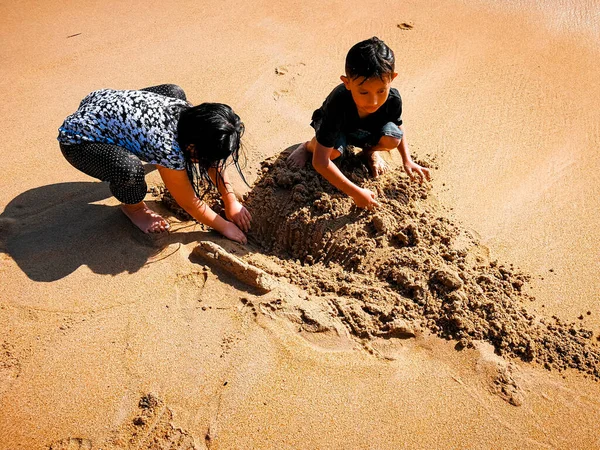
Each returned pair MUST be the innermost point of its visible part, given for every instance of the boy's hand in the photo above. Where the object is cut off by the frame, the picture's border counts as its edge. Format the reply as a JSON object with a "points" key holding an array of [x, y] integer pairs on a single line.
{"points": [[231, 231], [238, 214], [414, 170], [365, 199]]}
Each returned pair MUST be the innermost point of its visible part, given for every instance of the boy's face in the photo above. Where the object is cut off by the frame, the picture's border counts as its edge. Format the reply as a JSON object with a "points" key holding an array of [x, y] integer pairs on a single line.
{"points": [[369, 94]]}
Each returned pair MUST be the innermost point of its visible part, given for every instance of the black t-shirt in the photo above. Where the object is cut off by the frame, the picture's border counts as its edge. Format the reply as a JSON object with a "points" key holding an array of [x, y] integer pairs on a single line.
{"points": [[339, 114]]}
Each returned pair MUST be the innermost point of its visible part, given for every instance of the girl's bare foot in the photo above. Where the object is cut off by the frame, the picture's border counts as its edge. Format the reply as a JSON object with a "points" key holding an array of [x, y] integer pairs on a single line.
{"points": [[375, 162], [144, 218], [297, 159]]}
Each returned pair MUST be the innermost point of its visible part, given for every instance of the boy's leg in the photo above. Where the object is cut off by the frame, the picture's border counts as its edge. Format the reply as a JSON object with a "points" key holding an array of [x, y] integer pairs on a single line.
{"points": [[297, 159], [168, 90], [125, 174], [389, 139], [302, 153]]}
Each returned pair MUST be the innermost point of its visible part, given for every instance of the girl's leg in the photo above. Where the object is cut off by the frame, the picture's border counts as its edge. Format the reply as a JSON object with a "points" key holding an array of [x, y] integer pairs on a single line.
{"points": [[123, 170], [125, 174], [168, 90]]}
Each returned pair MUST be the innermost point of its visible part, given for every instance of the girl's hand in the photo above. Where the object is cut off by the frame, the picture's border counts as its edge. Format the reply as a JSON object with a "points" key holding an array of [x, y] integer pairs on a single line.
{"points": [[414, 170], [238, 214], [365, 199], [231, 231]]}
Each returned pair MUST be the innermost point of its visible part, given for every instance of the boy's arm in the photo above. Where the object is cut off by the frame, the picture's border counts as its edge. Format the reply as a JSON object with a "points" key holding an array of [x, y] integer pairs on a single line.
{"points": [[322, 163], [178, 184], [234, 210], [411, 167]]}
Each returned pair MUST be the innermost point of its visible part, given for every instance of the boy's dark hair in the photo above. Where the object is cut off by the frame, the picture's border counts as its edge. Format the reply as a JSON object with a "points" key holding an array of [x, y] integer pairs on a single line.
{"points": [[370, 58], [208, 135]]}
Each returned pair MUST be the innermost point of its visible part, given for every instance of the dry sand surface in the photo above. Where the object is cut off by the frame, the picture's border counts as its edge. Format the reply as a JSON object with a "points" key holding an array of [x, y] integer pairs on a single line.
{"points": [[462, 314]]}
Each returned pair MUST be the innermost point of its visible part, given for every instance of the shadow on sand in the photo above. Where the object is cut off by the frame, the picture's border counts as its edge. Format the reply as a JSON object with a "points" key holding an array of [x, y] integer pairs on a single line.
{"points": [[50, 231]]}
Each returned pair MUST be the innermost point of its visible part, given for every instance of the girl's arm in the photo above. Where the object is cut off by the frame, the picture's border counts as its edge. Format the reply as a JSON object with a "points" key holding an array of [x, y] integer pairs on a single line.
{"points": [[411, 167], [234, 210], [322, 163], [178, 184]]}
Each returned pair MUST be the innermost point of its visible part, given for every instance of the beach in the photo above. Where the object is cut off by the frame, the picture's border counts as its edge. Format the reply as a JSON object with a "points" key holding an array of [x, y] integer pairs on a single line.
{"points": [[114, 340]]}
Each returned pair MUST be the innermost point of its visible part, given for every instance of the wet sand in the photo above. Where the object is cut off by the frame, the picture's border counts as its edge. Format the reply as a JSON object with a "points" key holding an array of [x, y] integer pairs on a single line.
{"points": [[112, 340]]}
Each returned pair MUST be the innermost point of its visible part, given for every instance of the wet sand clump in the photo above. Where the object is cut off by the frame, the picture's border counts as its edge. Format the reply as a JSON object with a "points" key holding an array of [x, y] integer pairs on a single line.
{"points": [[217, 256], [404, 263]]}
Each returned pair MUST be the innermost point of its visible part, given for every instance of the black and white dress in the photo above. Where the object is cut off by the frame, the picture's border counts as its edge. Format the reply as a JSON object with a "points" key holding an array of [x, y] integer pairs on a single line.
{"points": [[113, 131]]}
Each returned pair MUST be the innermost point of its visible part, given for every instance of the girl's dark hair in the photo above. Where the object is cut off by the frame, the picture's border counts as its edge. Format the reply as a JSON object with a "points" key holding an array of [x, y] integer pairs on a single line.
{"points": [[370, 58], [209, 134]]}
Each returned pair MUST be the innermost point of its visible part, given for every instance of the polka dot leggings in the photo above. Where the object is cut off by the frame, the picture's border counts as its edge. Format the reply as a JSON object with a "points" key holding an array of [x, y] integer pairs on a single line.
{"points": [[121, 169]]}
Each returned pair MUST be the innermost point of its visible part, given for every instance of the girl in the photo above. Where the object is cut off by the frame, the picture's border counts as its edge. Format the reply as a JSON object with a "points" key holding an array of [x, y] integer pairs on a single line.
{"points": [[112, 132]]}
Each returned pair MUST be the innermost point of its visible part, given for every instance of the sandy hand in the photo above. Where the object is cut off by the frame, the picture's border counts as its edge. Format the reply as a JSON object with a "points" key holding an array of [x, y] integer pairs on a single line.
{"points": [[239, 215], [365, 199], [415, 171], [145, 219], [231, 231]]}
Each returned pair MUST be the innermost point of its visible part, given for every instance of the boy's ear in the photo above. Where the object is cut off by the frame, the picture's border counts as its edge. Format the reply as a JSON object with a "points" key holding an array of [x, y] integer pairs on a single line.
{"points": [[394, 75], [346, 81]]}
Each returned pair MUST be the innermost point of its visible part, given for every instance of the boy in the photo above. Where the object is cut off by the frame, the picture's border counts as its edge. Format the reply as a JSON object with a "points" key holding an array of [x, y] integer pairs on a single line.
{"points": [[365, 112]]}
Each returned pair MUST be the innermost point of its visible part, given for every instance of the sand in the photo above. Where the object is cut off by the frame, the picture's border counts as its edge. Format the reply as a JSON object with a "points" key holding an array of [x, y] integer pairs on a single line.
{"points": [[462, 314], [404, 262]]}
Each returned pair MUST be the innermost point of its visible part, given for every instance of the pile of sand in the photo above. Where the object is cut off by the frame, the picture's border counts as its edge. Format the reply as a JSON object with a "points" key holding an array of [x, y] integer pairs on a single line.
{"points": [[402, 267]]}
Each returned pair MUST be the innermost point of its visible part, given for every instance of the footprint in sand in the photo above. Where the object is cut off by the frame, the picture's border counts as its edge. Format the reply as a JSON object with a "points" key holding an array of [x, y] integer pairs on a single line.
{"points": [[228, 343], [286, 76], [280, 93], [10, 366], [499, 374], [151, 427], [72, 444], [405, 26], [195, 280]]}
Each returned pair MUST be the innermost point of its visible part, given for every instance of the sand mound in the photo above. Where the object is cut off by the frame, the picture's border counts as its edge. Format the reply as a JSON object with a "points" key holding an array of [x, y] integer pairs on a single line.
{"points": [[403, 266]]}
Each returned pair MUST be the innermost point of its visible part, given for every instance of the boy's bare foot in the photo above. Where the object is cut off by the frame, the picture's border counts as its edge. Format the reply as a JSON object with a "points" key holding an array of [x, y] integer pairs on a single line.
{"points": [[297, 159], [375, 162], [144, 218]]}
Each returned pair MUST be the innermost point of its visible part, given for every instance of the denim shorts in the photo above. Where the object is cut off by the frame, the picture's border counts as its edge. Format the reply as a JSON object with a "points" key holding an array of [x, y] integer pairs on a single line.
{"points": [[363, 138]]}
